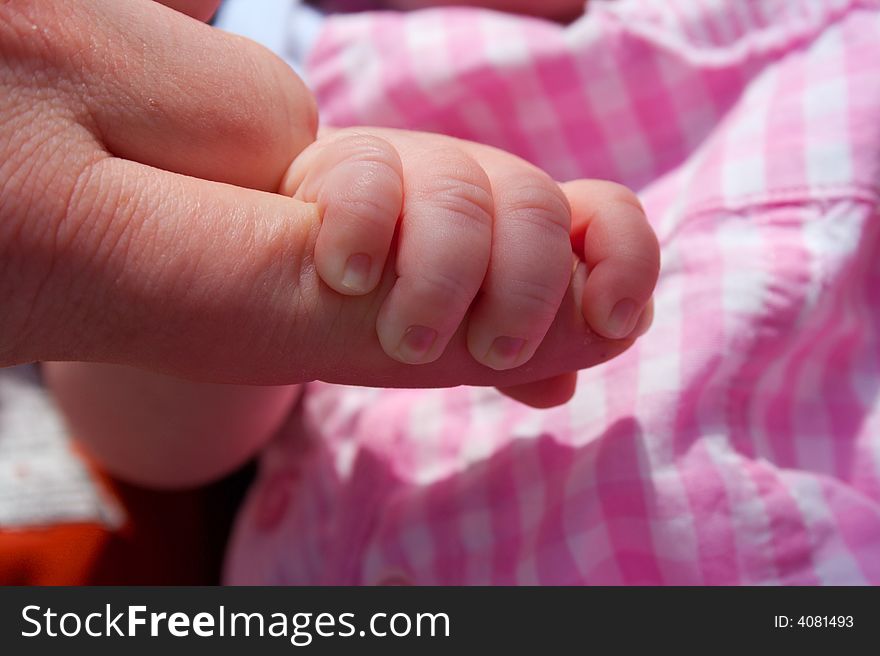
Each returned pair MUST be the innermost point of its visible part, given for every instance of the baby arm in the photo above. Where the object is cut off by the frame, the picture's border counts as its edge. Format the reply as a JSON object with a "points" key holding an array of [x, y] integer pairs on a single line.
{"points": [[443, 244], [160, 431]]}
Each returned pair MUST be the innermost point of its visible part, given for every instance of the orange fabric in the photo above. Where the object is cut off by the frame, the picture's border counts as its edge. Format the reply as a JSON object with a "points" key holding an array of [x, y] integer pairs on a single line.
{"points": [[58, 555], [169, 538]]}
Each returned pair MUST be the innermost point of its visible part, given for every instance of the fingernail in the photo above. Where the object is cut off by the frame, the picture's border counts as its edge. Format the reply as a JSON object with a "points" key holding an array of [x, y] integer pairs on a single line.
{"points": [[415, 344], [620, 321], [356, 276], [504, 352]]}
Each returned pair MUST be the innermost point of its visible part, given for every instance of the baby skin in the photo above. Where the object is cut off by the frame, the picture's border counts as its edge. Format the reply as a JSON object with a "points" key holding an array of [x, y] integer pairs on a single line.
{"points": [[484, 240], [428, 244]]}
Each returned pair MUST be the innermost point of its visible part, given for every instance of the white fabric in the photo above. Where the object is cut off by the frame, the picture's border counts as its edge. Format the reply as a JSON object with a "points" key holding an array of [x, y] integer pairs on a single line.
{"points": [[287, 27]]}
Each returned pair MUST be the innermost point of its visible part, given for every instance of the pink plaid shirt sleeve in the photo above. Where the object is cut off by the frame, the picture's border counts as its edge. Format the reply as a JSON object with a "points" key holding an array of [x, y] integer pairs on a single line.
{"points": [[739, 441]]}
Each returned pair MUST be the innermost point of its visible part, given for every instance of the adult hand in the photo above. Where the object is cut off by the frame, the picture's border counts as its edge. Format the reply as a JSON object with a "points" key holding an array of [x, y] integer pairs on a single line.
{"points": [[117, 122], [134, 142]]}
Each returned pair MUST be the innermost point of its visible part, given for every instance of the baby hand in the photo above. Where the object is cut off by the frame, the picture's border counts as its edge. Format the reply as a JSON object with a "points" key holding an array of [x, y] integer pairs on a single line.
{"points": [[482, 237]]}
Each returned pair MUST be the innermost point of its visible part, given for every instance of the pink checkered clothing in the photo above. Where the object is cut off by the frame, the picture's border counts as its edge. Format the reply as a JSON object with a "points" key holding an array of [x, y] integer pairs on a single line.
{"points": [[739, 441]]}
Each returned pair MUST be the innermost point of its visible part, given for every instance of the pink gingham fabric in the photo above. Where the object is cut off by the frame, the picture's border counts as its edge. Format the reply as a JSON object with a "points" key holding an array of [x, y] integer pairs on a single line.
{"points": [[739, 441]]}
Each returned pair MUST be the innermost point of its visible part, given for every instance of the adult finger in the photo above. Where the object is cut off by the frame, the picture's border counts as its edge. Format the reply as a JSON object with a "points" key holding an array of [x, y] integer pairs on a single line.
{"points": [[156, 87]]}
